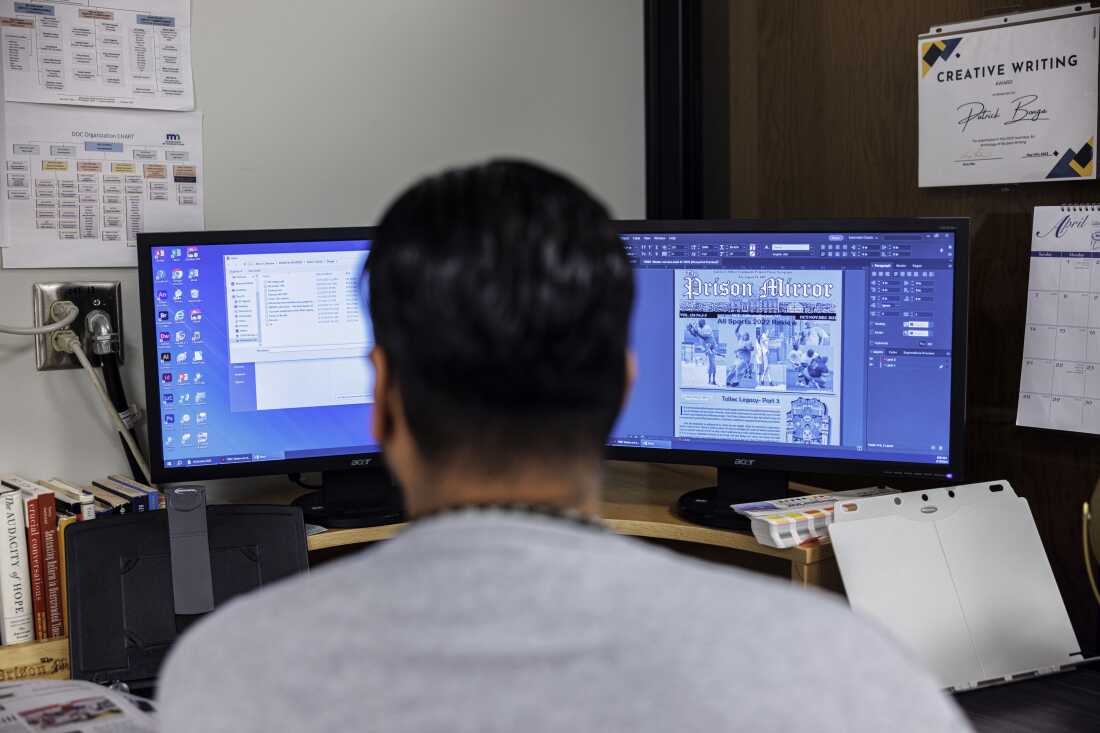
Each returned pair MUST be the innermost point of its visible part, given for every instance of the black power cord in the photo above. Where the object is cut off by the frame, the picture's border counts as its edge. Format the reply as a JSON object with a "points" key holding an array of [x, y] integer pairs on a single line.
{"points": [[112, 380]]}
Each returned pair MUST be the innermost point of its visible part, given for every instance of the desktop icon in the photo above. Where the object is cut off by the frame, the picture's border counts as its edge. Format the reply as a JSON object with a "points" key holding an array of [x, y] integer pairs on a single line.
{"points": [[177, 295], [169, 441], [176, 253], [177, 274], [158, 255], [185, 419], [200, 398], [181, 358], [181, 336], [182, 378], [162, 315], [164, 337], [166, 356], [192, 253], [185, 439], [185, 398], [169, 398], [161, 276], [203, 438], [197, 357], [196, 336], [166, 377], [199, 379], [196, 315], [169, 419], [162, 296], [193, 273], [194, 293], [200, 418]]}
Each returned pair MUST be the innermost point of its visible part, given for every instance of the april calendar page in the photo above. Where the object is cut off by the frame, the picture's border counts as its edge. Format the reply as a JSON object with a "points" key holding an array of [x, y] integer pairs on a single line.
{"points": [[1060, 376]]}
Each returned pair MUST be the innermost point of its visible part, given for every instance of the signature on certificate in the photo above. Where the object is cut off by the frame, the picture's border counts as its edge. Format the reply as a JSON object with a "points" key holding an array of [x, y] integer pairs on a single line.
{"points": [[973, 111], [976, 155], [1027, 109], [1024, 109]]}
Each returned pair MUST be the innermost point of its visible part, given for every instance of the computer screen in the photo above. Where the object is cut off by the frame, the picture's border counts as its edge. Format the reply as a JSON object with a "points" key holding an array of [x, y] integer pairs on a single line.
{"points": [[827, 345], [777, 349], [260, 350]]}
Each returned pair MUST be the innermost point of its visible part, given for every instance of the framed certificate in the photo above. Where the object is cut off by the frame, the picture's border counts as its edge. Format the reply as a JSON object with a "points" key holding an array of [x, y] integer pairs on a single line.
{"points": [[1012, 103]]}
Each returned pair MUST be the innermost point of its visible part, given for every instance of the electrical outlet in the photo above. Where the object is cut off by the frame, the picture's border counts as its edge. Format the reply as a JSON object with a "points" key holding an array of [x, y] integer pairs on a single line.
{"points": [[88, 296]]}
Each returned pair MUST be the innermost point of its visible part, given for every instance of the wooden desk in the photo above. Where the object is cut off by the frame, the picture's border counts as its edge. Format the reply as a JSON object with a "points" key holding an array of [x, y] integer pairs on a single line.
{"points": [[637, 501]]}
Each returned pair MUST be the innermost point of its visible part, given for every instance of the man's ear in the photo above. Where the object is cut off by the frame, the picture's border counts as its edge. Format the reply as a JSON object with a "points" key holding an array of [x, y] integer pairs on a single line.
{"points": [[381, 423], [631, 376]]}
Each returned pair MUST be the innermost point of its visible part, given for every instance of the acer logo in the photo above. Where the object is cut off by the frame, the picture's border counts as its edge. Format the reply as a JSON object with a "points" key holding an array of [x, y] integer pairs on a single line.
{"points": [[744, 461], [361, 462]]}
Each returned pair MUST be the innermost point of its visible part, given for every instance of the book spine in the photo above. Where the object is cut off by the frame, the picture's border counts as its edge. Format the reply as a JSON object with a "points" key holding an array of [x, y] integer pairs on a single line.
{"points": [[70, 499], [65, 504], [15, 595], [47, 506], [137, 500], [101, 509], [107, 502], [63, 565], [37, 565], [156, 498]]}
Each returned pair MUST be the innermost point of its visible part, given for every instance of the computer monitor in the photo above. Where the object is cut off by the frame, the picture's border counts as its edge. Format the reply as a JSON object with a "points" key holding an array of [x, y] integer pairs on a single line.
{"points": [[763, 348], [255, 346], [766, 347]]}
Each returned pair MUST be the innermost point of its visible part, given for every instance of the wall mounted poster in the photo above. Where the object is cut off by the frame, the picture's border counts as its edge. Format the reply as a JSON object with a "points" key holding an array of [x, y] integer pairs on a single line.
{"points": [[1013, 103]]}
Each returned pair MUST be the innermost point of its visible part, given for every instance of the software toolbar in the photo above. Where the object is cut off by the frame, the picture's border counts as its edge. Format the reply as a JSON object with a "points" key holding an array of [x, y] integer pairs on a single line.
{"points": [[719, 249]]}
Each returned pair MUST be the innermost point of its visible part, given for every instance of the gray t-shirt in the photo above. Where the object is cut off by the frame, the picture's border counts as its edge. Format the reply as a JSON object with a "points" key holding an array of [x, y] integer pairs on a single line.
{"points": [[492, 621]]}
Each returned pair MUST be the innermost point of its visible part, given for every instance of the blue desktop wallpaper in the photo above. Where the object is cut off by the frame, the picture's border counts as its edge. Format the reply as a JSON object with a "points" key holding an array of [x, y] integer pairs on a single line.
{"points": [[243, 436]]}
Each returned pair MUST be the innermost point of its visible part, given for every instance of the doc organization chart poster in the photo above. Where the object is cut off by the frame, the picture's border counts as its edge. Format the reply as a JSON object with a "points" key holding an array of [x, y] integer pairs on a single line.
{"points": [[1009, 104]]}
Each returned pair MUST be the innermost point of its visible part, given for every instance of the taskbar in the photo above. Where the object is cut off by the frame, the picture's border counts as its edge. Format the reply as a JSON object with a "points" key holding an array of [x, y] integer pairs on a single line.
{"points": [[290, 455], [793, 450], [216, 460]]}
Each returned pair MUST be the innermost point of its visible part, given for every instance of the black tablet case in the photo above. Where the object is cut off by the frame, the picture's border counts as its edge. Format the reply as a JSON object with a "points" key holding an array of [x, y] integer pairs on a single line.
{"points": [[119, 580]]}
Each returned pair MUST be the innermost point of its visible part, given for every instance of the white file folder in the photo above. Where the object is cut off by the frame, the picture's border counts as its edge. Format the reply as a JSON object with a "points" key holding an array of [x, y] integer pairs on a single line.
{"points": [[959, 576]]}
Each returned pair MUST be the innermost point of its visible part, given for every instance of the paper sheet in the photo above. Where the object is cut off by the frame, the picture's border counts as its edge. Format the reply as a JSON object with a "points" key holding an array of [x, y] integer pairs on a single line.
{"points": [[73, 706], [1060, 375], [79, 183], [101, 53]]}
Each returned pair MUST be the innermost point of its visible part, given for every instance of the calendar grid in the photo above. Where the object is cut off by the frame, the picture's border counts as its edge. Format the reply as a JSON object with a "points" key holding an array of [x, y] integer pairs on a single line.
{"points": [[1060, 372]]}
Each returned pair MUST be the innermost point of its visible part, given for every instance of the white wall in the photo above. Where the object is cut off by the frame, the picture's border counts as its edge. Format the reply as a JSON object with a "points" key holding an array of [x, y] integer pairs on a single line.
{"points": [[318, 113]]}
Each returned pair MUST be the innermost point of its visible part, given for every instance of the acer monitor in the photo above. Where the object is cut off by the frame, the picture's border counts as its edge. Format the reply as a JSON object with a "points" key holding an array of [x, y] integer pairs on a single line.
{"points": [[255, 346], [767, 347], [763, 348]]}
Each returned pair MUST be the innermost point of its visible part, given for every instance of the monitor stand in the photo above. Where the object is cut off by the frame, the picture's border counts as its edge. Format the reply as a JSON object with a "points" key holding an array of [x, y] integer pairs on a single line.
{"points": [[364, 497], [713, 506]]}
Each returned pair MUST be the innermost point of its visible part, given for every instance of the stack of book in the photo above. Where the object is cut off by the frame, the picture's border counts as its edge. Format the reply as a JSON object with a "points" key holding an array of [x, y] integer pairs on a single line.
{"points": [[35, 515], [798, 520]]}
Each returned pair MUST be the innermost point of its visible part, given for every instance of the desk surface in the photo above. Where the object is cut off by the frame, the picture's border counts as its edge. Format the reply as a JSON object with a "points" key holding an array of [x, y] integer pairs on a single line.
{"points": [[1061, 703], [637, 500]]}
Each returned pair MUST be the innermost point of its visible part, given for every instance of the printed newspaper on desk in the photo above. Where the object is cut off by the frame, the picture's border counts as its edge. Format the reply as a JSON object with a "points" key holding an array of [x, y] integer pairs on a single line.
{"points": [[72, 707]]}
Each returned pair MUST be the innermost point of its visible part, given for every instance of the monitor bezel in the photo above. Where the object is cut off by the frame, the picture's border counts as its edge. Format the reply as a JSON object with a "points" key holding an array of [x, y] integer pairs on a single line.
{"points": [[953, 470], [146, 242]]}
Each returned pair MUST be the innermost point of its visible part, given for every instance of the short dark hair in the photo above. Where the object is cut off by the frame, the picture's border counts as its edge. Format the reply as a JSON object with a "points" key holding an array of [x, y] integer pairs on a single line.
{"points": [[501, 295]]}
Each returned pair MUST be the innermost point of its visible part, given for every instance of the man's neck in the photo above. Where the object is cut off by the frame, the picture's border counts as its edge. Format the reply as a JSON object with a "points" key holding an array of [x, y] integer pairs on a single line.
{"points": [[574, 487]]}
